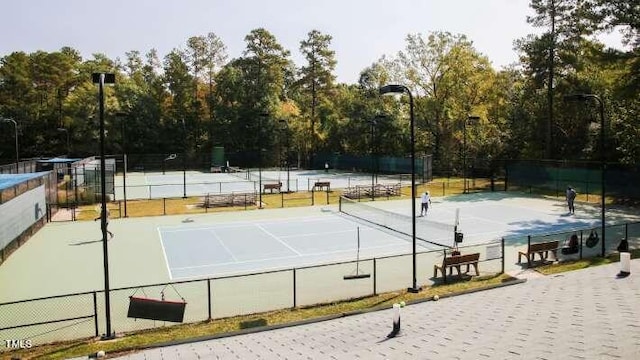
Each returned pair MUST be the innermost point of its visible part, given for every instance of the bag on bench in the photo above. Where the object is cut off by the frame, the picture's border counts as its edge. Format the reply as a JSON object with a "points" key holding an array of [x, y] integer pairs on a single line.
{"points": [[571, 246]]}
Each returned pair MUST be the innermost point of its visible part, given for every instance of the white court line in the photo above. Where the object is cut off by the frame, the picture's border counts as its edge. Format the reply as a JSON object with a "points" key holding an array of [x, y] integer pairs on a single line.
{"points": [[278, 239], [320, 233], [213, 231], [164, 253], [287, 257], [236, 224]]}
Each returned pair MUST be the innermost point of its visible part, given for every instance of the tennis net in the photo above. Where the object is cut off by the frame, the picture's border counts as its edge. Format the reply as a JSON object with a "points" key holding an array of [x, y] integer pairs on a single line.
{"points": [[239, 173], [255, 176], [429, 231]]}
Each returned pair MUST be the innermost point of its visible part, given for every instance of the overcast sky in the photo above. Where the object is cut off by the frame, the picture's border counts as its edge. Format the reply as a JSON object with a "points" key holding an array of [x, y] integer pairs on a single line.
{"points": [[362, 30]]}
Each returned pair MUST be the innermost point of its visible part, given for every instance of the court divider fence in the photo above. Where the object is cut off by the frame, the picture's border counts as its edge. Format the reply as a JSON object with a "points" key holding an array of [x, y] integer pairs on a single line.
{"points": [[71, 211], [82, 315]]}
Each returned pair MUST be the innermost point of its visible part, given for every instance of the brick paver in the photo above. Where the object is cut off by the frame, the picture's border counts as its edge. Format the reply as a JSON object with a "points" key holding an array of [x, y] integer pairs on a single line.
{"points": [[585, 314]]}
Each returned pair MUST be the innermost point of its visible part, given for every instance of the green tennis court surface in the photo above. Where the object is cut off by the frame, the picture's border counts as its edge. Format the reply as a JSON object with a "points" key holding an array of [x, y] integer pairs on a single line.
{"points": [[65, 258]]}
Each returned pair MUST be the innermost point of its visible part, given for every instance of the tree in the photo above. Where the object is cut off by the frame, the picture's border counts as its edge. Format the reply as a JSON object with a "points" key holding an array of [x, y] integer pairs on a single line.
{"points": [[316, 79], [180, 115], [450, 79], [206, 54], [247, 88]]}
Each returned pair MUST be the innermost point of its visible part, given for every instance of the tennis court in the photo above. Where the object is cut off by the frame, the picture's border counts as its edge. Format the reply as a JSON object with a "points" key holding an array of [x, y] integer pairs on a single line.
{"points": [[220, 249], [487, 216], [161, 248], [191, 183]]}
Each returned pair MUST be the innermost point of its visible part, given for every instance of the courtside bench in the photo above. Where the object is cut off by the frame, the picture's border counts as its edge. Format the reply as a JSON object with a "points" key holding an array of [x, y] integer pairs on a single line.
{"points": [[542, 249], [271, 187], [322, 184], [456, 261]]}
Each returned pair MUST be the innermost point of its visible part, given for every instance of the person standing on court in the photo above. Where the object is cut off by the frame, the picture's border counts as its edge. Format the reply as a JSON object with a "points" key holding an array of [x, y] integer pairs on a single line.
{"points": [[425, 201], [106, 222], [571, 197]]}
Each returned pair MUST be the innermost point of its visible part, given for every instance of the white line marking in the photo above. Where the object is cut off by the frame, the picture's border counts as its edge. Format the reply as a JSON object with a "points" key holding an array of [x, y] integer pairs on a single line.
{"points": [[319, 233], [223, 245], [287, 257], [230, 225], [164, 253], [278, 239]]}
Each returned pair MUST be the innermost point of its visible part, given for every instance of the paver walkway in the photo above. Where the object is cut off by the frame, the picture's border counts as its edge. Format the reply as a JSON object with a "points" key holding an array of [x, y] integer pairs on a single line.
{"points": [[585, 314]]}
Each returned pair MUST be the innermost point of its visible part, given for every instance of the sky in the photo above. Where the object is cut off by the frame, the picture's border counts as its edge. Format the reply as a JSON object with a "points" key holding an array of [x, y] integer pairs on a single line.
{"points": [[362, 30]]}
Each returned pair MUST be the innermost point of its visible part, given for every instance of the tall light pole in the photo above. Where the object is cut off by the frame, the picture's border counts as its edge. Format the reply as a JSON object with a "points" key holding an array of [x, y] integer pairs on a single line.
{"points": [[464, 146], [101, 79], [123, 129], [603, 163], [262, 116], [285, 127], [374, 159], [184, 161], [399, 89], [15, 127], [64, 130]]}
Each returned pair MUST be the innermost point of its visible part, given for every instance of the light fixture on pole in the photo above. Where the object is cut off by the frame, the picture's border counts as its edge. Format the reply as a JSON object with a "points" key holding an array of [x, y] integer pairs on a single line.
{"points": [[64, 130], [123, 128], [15, 127], [603, 164], [464, 156], [101, 79], [399, 89]]}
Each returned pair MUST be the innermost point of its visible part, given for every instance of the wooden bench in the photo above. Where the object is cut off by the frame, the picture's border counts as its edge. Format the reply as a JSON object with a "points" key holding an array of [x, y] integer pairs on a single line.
{"points": [[271, 187], [322, 184], [456, 261], [541, 249]]}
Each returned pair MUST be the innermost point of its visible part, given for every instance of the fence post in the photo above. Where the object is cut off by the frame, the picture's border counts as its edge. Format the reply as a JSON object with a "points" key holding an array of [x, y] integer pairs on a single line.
{"points": [[327, 196], [502, 246], [506, 178], [209, 297], [580, 244], [95, 314], [313, 197], [443, 190], [281, 199], [374, 278], [164, 206], [626, 231], [295, 301], [119, 209], [587, 190]]}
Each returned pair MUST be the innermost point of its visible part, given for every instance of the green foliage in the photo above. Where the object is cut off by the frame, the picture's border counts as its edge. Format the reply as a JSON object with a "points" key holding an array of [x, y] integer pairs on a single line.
{"points": [[194, 98]]}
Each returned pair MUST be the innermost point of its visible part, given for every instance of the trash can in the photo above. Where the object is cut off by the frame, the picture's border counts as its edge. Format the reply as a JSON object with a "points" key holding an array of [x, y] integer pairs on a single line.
{"points": [[625, 258]]}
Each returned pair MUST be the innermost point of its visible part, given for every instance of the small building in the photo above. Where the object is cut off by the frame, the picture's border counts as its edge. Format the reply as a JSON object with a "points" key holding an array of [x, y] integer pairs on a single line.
{"points": [[23, 207]]}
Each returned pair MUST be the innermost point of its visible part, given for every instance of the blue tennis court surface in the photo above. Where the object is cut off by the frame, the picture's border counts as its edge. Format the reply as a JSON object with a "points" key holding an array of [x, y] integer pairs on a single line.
{"points": [[204, 250], [218, 249]]}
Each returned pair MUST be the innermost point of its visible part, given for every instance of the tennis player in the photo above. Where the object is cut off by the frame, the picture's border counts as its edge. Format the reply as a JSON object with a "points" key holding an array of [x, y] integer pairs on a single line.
{"points": [[425, 200], [106, 222]]}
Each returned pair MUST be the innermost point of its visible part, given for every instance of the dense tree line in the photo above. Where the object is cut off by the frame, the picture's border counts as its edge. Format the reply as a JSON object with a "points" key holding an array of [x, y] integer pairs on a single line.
{"points": [[195, 98]]}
